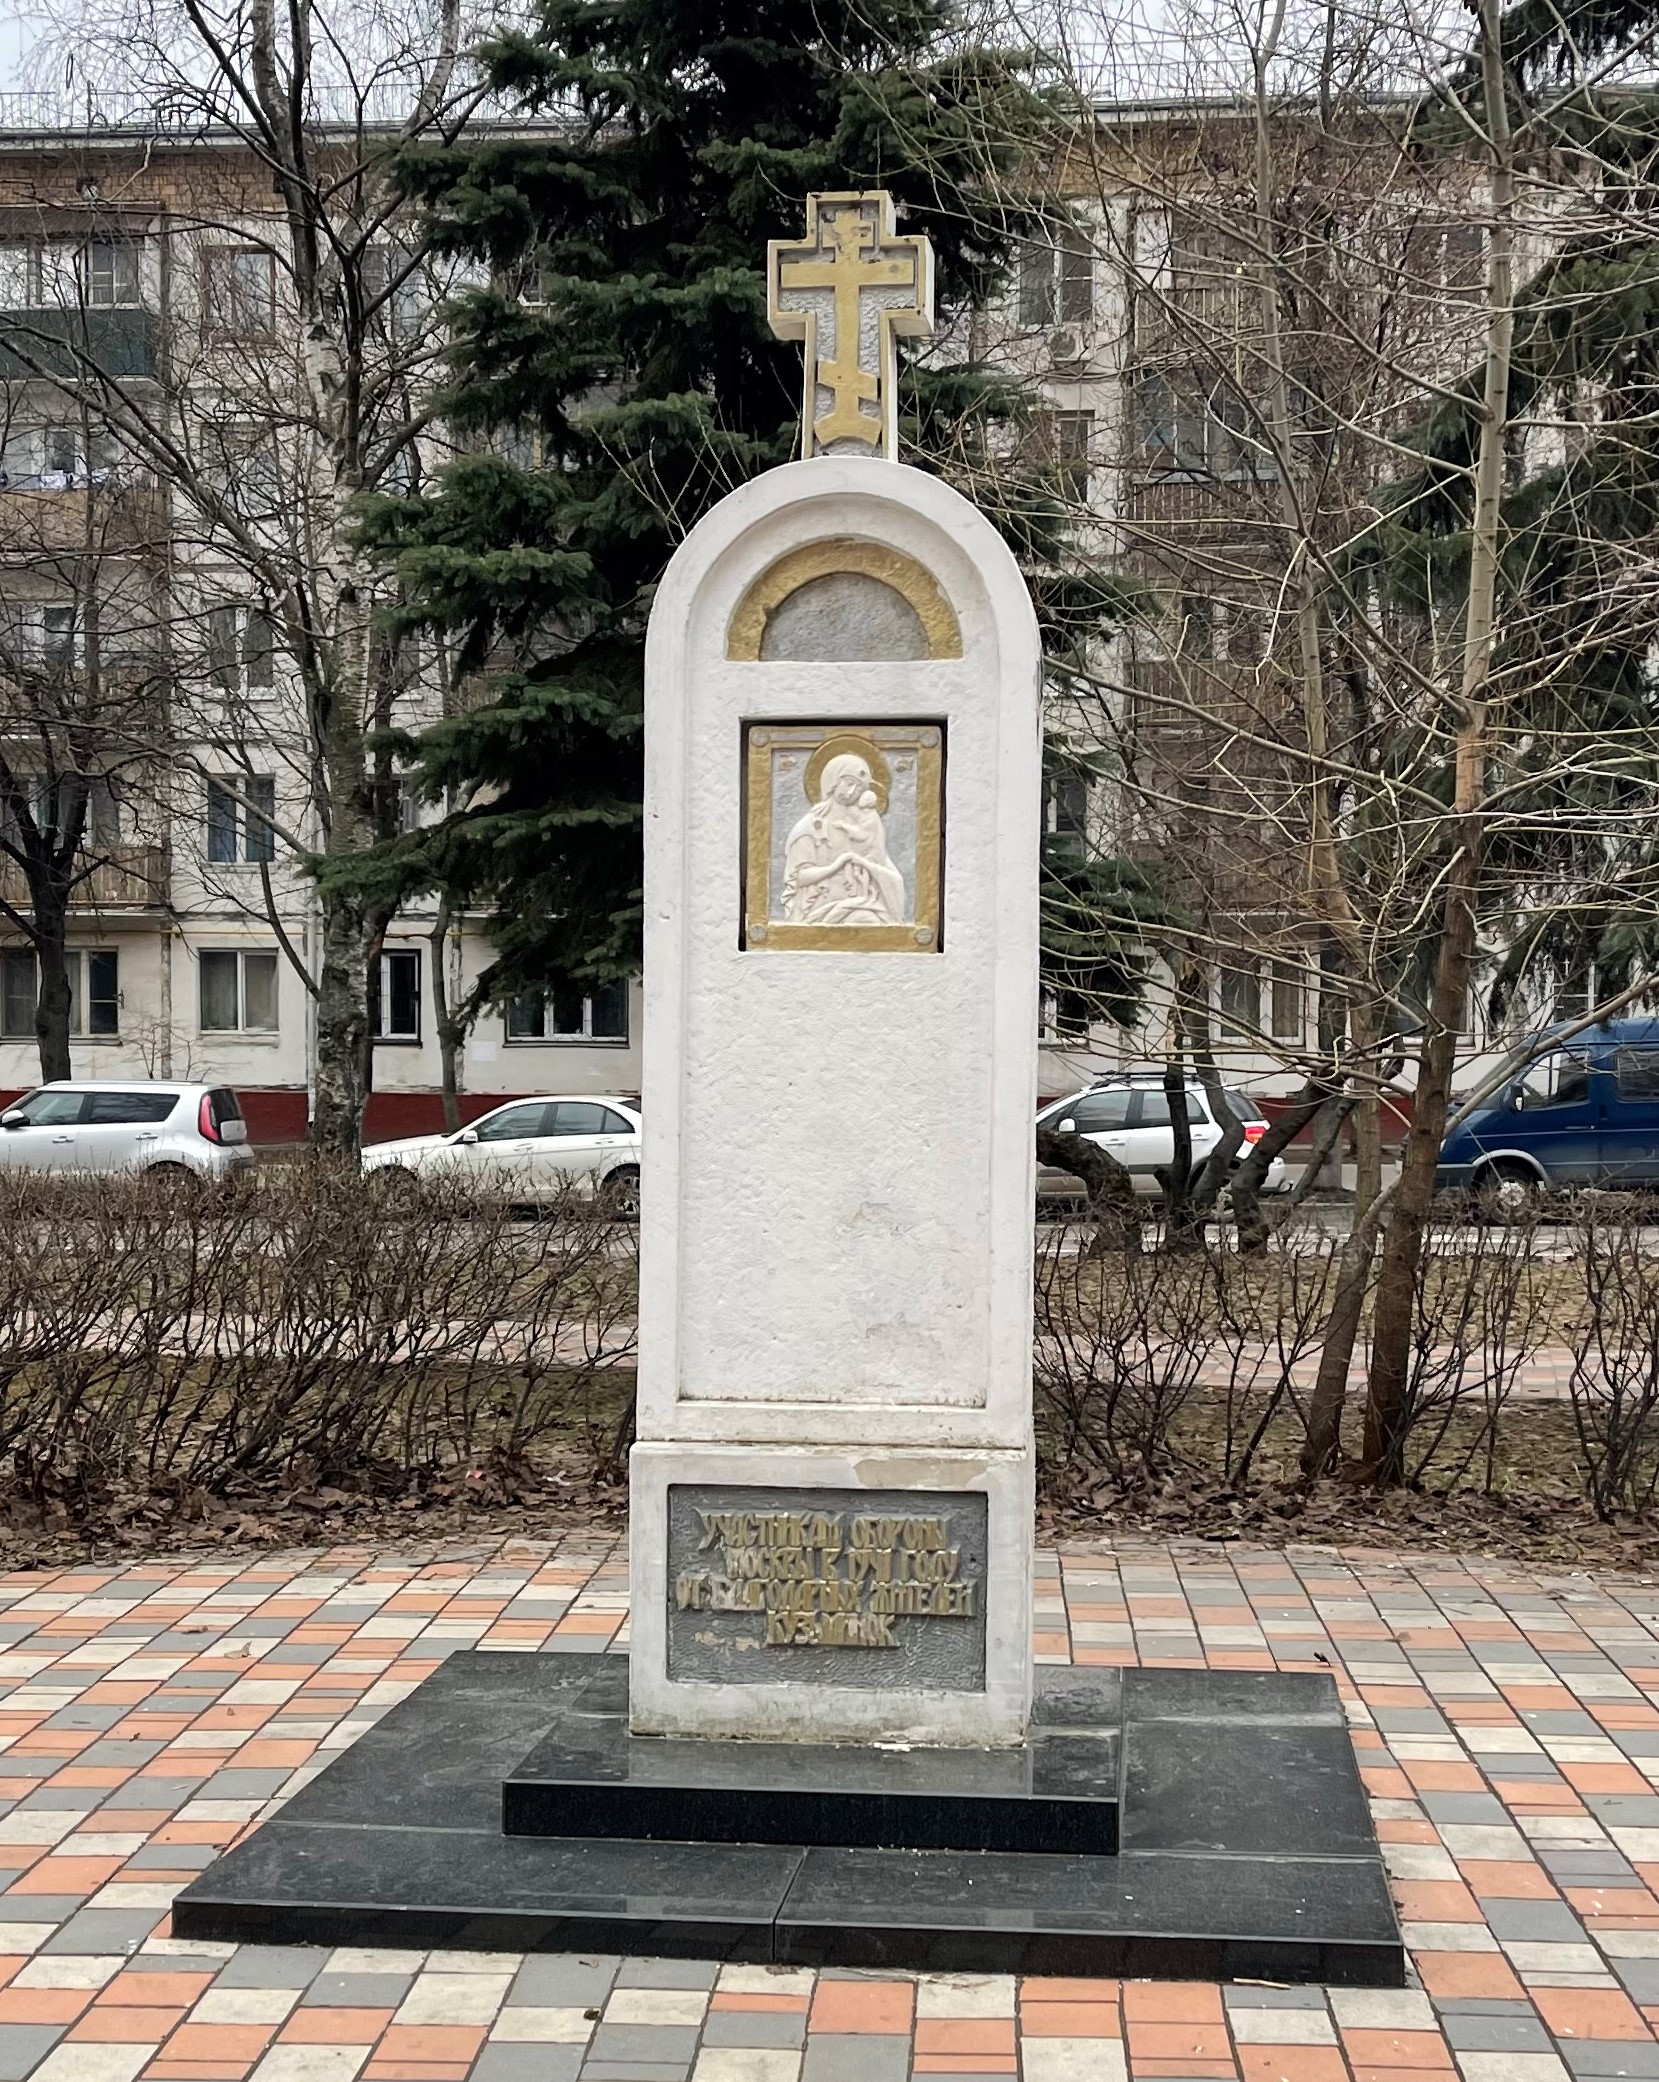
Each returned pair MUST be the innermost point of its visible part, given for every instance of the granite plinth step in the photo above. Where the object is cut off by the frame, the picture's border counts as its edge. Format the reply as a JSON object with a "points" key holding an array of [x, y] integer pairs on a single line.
{"points": [[590, 1778], [1246, 1844]]}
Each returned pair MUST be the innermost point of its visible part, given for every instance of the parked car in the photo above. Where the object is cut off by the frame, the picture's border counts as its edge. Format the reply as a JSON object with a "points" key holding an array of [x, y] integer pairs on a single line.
{"points": [[531, 1150], [1585, 1113], [1129, 1118], [77, 1125]]}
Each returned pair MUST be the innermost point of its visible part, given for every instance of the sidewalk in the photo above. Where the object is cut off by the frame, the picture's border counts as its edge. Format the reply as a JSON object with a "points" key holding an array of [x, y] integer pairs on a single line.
{"points": [[1506, 1722]]}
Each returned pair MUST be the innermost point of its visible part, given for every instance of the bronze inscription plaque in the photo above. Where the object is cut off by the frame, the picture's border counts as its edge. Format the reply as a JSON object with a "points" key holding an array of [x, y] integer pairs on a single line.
{"points": [[877, 1588]]}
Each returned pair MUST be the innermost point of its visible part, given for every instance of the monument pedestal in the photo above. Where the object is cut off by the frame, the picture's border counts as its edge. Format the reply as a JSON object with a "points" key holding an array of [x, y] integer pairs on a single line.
{"points": [[767, 1578], [1245, 1843], [829, 1748]]}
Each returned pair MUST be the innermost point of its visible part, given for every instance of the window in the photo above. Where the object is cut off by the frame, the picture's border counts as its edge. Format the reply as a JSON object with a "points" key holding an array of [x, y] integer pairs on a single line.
{"points": [[584, 1117], [18, 276], [1241, 1002], [239, 291], [96, 1007], [1067, 1012], [94, 993], [239, 810], [400, 996], [1073, 438], [50, 1109], [240, 464], [1287, 1003], [17, 995], [238, 993], [567, 1014], [124, 1109], [1068, 816], [1037, 284], [513, 1123], [1152, 1110], [48, 807], [408, 802], [1562, 1079], [102, 823], [1208, 432], [112, 272], [1150, 241], [1096, 1113], [58, 635], [1636, 1073], [1057, 280], [241, 649], [391, 290]]}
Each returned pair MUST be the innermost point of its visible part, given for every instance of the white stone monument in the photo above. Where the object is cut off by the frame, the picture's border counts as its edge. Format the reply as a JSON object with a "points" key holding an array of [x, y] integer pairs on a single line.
{"points": [[832, 1489]]}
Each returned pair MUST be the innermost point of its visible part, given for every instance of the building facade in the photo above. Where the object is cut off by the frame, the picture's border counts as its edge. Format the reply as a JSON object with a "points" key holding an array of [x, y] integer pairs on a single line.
{"points": [[146, 696]]}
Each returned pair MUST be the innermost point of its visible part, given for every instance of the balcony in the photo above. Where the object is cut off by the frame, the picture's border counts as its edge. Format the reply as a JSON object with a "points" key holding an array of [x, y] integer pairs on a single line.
{"points": [[131, 878], [109, 519], [122, 343]]}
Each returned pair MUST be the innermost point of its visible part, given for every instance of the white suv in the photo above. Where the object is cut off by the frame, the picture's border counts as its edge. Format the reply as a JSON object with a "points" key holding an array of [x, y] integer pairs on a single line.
{"points": [[1129, 1118], [530, 1150], [76, 1125]]}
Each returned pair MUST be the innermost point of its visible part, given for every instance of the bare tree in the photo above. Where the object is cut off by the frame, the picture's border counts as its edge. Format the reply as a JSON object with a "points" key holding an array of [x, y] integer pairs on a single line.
{"points": [[302, 351], [83, 699], [1361, 718]]}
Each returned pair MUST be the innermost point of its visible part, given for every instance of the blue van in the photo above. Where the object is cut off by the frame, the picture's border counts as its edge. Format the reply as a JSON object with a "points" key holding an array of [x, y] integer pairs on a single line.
{"points": [[1583, 1114]]}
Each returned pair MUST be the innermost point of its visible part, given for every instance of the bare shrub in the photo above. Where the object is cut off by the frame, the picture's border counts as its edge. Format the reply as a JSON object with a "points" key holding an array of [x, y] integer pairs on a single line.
{"points": [[297, 1332], [1615, 1378], [1481, 1311], [1155, 1364]]}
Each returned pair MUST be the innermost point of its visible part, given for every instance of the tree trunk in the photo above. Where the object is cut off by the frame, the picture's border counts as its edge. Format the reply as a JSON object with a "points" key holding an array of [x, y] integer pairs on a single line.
{"points": [[1387, 1413], [1258, 1160], [1328, 1124], [1111, 1191], [1336, 1352], [1181, 1232], [452, 1033], [1214, 1172], [343, 1041], [1330, 1389], [52, 965], [351, 932]]}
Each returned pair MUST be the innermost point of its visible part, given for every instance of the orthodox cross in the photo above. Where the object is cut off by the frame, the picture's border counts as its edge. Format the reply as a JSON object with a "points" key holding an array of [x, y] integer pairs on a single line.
{"points": [[849, 289]]}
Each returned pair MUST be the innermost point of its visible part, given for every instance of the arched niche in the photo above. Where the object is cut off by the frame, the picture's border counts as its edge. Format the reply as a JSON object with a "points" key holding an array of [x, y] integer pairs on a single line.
{"points": [[845, 600]]}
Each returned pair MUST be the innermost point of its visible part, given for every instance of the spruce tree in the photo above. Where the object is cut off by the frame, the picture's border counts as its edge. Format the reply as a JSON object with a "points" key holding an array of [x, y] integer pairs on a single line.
{"points": [[617, 376]]}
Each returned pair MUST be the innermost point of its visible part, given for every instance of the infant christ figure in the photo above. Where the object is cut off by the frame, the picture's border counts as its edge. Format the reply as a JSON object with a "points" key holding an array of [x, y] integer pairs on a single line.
{"points": [[836, 866]]}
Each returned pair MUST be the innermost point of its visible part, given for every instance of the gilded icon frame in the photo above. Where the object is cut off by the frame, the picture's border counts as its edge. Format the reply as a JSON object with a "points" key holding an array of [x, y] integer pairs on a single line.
{"points": [[765, 748]]}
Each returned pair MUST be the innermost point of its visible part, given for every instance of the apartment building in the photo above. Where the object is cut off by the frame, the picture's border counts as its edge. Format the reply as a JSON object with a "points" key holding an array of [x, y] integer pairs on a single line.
{"points": [[1144, 324], [170, 720], [144, 689]]}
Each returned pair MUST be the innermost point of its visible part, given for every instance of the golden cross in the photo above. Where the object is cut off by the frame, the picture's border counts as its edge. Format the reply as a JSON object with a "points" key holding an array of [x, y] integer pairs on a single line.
{"points": [[851, 262]]}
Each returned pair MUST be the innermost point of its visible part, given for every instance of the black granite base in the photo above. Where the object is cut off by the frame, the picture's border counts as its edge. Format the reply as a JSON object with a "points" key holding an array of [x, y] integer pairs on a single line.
{"points": [[1246, 1844], [589, 1777]]}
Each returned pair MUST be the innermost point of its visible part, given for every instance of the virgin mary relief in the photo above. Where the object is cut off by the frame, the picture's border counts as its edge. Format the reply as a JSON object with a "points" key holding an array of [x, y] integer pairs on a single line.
{"points": [[836, 865]]}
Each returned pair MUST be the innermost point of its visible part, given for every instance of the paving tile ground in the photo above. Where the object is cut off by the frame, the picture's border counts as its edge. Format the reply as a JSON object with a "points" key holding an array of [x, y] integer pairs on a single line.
{"points": [[1507, 1724]]}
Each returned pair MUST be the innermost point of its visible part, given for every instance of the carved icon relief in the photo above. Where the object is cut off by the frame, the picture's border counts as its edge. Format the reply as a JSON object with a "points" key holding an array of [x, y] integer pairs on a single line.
{"points": [[843, 836], [835, 865]]}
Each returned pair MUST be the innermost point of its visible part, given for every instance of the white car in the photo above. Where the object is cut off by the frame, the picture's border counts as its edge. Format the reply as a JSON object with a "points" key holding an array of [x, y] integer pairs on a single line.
{"points": [[77, 1125], [1129, 1119], [530, 1150]]}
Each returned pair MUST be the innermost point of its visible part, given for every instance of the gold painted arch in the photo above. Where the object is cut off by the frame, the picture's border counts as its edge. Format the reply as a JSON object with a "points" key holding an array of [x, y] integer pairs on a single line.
{"points": [[912, 581]]}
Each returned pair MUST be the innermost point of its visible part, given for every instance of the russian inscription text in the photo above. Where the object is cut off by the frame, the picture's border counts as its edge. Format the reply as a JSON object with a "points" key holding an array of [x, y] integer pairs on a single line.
{"points": [[803, 1574], [825, 1580]]}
